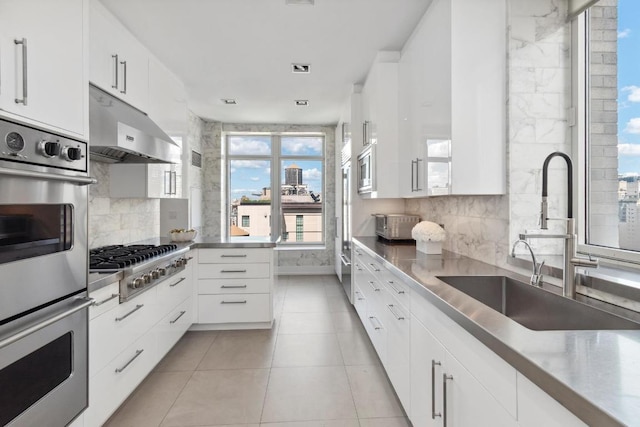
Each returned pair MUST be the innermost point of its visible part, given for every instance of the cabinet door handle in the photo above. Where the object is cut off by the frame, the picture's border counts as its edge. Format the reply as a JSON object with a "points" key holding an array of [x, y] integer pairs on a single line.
{"points": [[138, 307], [115, 71], [178, 282], [138, 353], [413, 186], [104, 301], [233, 286], [167, 182], [23, 42], [396, 315], [373, 285], [375, 267], [418, 160], [377, 328], [124, 80], [433, 389], [445, 377], [396, 290], [233, 271], [233, 256], [179, 316], [234, 302]]}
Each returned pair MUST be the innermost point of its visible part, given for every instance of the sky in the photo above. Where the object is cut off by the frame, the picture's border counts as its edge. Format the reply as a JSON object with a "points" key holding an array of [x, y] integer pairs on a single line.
{"points": [[249, 176], [629, 87]]}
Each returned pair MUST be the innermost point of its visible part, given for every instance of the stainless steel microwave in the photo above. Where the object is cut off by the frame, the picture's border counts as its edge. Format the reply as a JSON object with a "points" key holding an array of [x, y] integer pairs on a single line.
{"points": [[366, 165]]}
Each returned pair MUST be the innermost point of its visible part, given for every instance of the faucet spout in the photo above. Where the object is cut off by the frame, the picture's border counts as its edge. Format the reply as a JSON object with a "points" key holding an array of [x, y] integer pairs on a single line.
{"points": [[544, 216], [536, 275]]}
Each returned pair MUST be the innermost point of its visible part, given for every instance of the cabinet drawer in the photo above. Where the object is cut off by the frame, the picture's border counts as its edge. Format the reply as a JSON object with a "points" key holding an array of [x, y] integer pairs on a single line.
{"points": [[233, 271], [104, 299], [111, 386], [234, 286], [234, 256], [174, 290], [360, 303], [234, 308], [173, 326], [114, 330]]}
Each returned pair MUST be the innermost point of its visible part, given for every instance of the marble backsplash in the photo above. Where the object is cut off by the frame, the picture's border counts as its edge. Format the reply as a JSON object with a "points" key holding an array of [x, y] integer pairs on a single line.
{"points": [[118, 221]]}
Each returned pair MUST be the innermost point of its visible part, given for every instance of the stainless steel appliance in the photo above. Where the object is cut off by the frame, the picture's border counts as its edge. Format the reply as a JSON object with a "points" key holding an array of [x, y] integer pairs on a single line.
{"points": [[366, 163], [395, 226], [122, 134], [43, 265], [143, 266], [345, 254]]}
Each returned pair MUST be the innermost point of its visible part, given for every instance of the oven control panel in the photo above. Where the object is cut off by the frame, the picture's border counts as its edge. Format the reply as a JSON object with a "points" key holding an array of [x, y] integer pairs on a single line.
{"points": [[151, 277], [23, 144]]}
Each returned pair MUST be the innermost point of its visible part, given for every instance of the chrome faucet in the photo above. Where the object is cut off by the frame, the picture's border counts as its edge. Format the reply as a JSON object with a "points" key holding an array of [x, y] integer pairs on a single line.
{"points": [[571, 258], [536, 275]]}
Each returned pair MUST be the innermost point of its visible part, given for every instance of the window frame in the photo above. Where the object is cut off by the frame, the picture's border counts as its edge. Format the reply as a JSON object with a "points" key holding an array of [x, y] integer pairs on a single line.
{"points": [[276, 158], [580, 94]]}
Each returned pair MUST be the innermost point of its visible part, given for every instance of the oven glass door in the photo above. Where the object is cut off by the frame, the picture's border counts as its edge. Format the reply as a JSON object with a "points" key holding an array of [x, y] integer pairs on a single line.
{"points": [[43, 375], [33, 230]]}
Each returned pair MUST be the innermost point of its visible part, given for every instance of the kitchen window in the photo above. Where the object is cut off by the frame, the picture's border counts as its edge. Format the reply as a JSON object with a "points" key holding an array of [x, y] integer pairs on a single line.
{"points": [[607, 90], [276, 176]]}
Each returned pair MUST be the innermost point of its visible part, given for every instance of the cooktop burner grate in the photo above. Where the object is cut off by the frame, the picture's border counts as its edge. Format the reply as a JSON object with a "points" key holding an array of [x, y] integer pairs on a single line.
{"points": [[119, 256]]}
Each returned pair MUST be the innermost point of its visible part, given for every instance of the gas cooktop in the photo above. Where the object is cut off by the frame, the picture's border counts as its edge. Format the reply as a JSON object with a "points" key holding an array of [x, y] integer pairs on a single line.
{"points": [[117, 257]]}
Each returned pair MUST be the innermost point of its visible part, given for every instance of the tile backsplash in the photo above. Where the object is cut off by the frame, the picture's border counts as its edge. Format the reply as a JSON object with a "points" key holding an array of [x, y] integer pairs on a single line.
{"points": [[118, 221]]}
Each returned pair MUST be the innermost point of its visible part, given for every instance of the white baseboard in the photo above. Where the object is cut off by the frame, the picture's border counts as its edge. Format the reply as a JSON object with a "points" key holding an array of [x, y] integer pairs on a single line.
{"points": [[305, 270]]}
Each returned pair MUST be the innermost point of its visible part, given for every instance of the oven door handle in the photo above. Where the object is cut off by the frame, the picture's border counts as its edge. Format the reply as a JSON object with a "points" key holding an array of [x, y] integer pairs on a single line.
{"points": [[80, 180], [85, 302]]}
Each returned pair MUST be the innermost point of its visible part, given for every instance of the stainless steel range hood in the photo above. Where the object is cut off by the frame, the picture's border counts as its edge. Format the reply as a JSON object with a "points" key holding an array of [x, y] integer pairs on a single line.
{"points": [[119, 133]]}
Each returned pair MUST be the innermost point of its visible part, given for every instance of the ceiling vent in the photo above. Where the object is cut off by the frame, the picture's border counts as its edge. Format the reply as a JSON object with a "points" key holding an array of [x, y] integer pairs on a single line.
{"points": [[305, 2], [302, 102], [229, 101], [300, 68]]}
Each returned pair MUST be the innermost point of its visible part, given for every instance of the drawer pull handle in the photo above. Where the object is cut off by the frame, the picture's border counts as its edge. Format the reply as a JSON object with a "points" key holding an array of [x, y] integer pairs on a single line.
{"points": [[433, 389], [233, 286], [234, 302], [138, 353], [396, 290], [445, 377], [376, 327], [373, 285], [233, 271], [375, 267], [138, 307], [359, 298], [178, 282], [398, 317], [104, 301], [233, 256], [179, 316]]}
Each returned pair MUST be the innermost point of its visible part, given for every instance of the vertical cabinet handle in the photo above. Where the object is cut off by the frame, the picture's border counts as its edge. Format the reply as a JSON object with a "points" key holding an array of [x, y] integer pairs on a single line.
{"points": [[418, 160], [115, 71], [23, 42], [365, 132], [124, 80], [445, 377], [413, 185], [167, 182], [434, 414]]}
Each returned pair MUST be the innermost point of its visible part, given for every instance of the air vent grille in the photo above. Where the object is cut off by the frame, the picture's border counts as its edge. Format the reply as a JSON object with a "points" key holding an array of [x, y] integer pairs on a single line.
{"points": [[300, 68], [196, 159], [302, 102]]}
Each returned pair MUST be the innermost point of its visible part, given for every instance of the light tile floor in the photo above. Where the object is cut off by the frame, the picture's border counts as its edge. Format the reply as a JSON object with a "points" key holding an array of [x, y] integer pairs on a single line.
{"points": [[315, 368]]}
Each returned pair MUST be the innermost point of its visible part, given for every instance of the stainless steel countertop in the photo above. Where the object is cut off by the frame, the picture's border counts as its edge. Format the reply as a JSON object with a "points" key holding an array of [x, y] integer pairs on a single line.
{"points": [[594, 374], [100, 280], [211, 242]]}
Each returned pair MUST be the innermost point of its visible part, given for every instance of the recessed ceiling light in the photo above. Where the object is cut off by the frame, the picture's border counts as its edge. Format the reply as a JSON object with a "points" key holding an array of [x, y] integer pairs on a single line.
{"points": [[300, 68], [307, 2], [229, 101], [302, 102]]}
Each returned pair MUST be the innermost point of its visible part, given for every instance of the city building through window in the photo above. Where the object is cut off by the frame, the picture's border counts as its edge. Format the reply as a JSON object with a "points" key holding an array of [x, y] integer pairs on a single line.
{"points": [[277, 177]]}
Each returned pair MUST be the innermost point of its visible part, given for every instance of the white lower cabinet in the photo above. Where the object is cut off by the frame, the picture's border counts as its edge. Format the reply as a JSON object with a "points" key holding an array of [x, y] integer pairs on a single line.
{"points": [[127, 340], [234, 288], [442, 374]]}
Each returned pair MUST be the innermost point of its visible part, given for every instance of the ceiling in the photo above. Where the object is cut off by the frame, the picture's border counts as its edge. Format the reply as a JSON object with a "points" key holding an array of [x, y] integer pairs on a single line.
{"points": [[243, 49]]}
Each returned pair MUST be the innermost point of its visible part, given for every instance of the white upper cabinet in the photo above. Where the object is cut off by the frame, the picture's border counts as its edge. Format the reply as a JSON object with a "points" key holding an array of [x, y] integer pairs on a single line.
{"points": [[453, 101], [167, 100], [380, 124], [119, 63], [43, 56]]}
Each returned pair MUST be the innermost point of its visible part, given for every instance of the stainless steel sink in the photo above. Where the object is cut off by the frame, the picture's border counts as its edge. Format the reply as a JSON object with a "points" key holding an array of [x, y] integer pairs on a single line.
{"points": [[535, 308]]}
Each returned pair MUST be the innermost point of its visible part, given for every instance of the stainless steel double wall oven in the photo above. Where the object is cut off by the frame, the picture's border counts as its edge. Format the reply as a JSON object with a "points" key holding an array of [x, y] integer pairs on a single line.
{"points": [[43, 277]]}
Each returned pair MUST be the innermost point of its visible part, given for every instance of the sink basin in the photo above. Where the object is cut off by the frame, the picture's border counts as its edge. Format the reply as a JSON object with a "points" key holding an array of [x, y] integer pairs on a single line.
{"points": [[536, 308]]}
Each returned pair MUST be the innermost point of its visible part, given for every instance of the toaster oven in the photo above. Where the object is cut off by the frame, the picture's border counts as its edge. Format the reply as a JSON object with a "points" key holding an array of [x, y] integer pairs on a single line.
{"points": [[395, 226]]}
